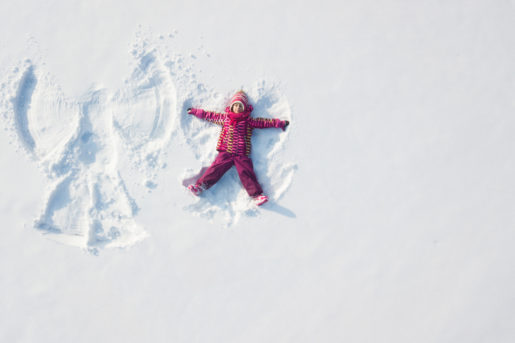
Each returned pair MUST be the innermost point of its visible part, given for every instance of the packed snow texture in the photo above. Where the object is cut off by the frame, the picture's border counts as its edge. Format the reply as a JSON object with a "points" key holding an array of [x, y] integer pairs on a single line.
{"points": [[78, 143]]}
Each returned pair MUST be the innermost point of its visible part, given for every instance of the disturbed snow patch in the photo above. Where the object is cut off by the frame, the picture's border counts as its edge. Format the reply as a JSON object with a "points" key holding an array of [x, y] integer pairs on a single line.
{"points": [[227, 200], [83, 145], [78, 144]]}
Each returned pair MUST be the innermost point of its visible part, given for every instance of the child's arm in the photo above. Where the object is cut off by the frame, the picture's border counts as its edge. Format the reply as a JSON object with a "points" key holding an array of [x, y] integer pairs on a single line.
{"points": [[265, 123], [213, 117]]}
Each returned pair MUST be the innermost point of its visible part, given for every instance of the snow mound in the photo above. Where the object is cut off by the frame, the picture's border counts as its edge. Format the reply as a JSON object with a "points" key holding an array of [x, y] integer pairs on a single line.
{"points": [[227, 200], [78, 144]]}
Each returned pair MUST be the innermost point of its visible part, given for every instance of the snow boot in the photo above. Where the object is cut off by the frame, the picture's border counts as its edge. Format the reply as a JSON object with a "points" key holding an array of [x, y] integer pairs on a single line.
{"points": [[195, 189], [260, 199]]}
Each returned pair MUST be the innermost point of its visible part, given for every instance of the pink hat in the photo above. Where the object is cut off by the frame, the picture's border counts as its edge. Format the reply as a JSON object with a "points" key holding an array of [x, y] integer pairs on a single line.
{"points": [[242, 98]]}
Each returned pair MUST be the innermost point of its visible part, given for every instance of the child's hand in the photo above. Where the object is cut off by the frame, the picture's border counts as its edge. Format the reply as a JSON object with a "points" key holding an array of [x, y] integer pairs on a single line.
{"points": [[286, 123], [196, 111]]}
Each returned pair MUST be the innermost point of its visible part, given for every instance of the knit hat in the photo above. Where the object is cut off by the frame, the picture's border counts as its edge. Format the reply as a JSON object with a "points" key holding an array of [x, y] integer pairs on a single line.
{"points": [[242, 98]]}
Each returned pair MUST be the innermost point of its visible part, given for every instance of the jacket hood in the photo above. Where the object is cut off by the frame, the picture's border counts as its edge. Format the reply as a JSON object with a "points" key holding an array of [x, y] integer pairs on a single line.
{"points": [[243, 99]]}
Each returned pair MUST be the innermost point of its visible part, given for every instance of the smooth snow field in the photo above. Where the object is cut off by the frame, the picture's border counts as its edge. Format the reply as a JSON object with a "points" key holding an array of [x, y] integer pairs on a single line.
{"points": [[392, 191]]}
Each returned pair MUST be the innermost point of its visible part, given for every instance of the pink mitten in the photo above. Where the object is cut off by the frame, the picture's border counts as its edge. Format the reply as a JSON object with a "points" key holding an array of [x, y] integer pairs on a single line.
{"points": [[195, 111]]}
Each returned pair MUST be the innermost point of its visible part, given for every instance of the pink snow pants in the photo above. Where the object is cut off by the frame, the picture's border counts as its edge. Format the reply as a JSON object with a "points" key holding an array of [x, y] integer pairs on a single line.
{"points": [[223, 162]]}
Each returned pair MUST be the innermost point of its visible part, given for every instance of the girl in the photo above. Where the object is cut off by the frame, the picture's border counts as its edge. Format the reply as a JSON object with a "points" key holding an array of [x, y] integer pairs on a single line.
{"points": [[234, 145]]}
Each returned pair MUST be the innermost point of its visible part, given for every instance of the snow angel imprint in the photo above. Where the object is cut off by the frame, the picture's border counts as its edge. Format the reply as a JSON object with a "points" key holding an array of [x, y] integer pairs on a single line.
{"points": [[234, 145]]}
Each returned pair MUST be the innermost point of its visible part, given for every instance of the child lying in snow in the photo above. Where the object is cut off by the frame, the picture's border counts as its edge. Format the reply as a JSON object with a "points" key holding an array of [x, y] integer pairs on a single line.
{"points": [[234, 145]]}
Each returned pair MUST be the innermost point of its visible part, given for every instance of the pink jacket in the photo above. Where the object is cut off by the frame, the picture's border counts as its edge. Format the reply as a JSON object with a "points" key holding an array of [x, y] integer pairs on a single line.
{"points": [[236, 129]]}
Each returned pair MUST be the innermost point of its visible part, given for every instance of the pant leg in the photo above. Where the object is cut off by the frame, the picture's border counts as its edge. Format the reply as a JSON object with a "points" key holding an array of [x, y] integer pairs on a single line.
{"points": [[247, 175], [218, 168]]}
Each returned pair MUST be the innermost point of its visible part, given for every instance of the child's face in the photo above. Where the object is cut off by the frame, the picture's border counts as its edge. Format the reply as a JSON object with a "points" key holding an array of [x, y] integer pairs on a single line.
{"points": [[237, 107]]}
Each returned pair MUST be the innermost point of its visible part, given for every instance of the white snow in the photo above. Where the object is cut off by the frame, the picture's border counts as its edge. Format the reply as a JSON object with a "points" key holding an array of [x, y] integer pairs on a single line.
{"points": [[392, 190]]}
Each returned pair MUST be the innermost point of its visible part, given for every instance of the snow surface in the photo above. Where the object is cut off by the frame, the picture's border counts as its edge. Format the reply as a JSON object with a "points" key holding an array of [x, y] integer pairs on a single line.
{"points": [[392, 191]]}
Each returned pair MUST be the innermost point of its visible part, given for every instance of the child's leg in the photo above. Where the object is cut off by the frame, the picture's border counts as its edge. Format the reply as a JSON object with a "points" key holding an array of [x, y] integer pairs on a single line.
{"points": [[247, 175], [218, 168]]}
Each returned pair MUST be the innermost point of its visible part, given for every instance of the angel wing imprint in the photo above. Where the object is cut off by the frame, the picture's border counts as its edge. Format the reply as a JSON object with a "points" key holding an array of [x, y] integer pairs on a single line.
{"points": [[78, 144]]}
